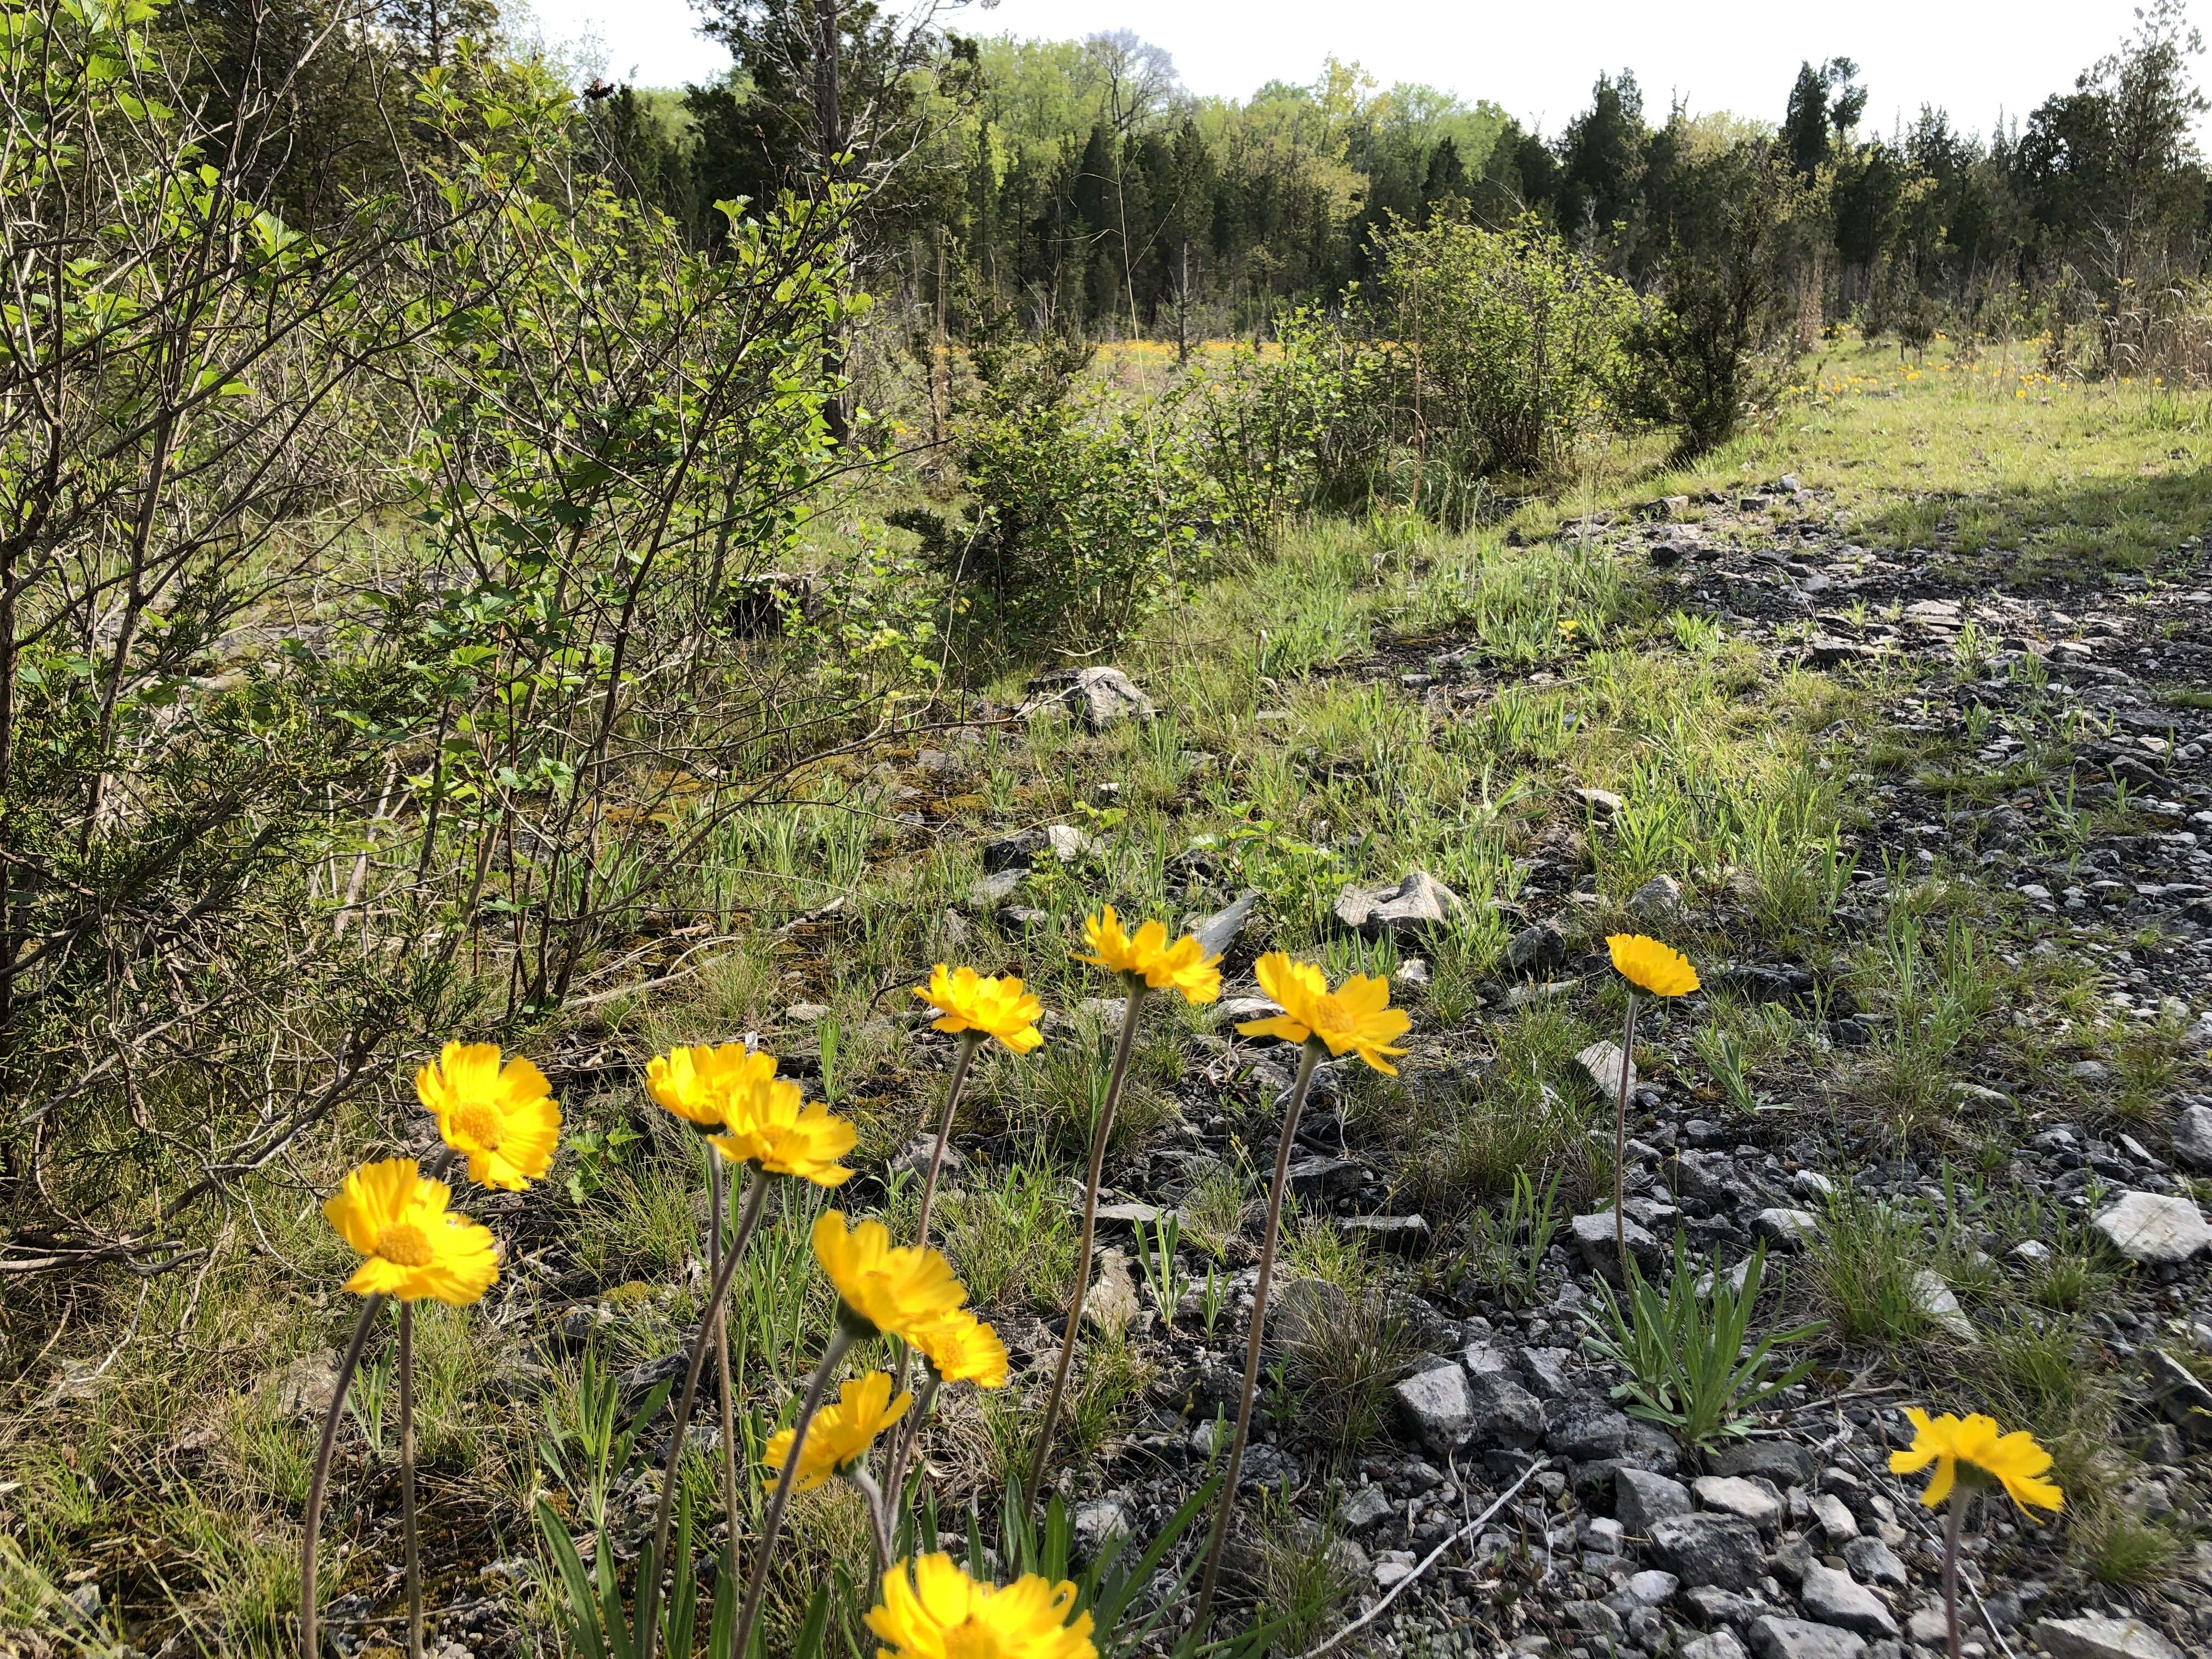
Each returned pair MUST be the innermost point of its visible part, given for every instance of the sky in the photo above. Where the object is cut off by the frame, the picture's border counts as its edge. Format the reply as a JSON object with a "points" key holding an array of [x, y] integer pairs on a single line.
{"points": [[1974, 57]]}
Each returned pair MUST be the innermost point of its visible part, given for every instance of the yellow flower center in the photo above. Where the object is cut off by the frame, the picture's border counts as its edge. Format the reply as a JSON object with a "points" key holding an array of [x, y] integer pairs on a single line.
{"points": [[970, 1640], [1330, 1014], [480, 1123], [406, 1245]]}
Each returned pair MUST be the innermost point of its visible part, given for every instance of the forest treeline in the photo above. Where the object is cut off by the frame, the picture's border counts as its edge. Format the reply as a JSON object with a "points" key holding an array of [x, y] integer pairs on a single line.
{"points": [[1078, 187]]}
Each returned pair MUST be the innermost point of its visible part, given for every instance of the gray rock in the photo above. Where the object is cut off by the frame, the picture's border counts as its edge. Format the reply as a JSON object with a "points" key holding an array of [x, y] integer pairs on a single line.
{"points": [[1408, 1234], [1545, 1372], [1720, 1550], [1129, 1215], [996, 888], [1098, 1523], [1502, 1412], [1600, 1063], [1641, 1499], [2095, 1635], [1837, 1598], [1716, 1606], [1436, 1409], [1416, 906], [1786, 1229], [1929, 1627], [1100, 696], [1836, 1520], [1111, 1303], [1784, 1462], [1218, 931], [913, 1159], [1659, 905], [1735, 1494], [1589, 1431], [1936, 1303], [1366, 1507], [2150, 1227], [1317, 1176], [1597, 1620], [1874, 1562], [2192, 1137], [1069, 844], [1775, 1637], [1710, 1176], [1720, 1645], [1011, 853], [1602, 803], [305, 1387], [1540, 948], [1593, 1239], [1651, 1588]]}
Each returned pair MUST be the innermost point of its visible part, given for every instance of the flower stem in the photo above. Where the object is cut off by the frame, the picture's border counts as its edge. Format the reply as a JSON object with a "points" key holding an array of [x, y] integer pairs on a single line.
{"points": [[1620, 1139], [715, 1217], [1228, 1499], [648, 1589], [318, 1482], [1954, 1520], [407, 1480], [1099, 1137], [906, 1442], [969, 1041], [840, 1340]]}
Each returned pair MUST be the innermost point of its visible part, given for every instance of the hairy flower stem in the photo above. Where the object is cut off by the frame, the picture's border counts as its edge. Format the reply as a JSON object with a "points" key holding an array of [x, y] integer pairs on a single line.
{"points": [[648, 1588], [1228, 1500], [895, 1469], [1099, 1137], [1954, 1521], [318, 1481], [840, 1340], [715, 1218], [969, 1041], [407, 1480], [1620, 1139]]}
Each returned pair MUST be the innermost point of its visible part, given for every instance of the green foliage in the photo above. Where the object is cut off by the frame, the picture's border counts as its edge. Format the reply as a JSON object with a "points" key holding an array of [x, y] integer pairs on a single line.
{"points": [[1690, 1365]]}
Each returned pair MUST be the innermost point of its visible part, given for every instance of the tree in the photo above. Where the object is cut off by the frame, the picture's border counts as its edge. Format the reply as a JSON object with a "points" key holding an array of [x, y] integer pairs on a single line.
{"points": [[1825, 104], [1601, 159]]}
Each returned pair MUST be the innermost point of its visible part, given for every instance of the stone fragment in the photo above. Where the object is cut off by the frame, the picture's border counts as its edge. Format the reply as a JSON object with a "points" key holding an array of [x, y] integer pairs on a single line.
{"points": [[1367, 1507], [2192, 1137], [2151, 1227], [1408, 1234], [1837, 1522], [1641, 1499], [1502, 1413], [1593, 1239], [1600, 1063], [1068, 843], [1786, 1229], [914, 1159], [1775, 1637], [1659, 905], [1874, 1562], [1589, 1431], [1651, 1588], [1716, 1606], [1719, 1550], [1100, 696], [1435, 1408], [1545, 1372], [1929, 1627], [1936, 1303], [1784, 1462], [1415, 906], [1732, 1494], [1111, 1304], [2098, 1635], [1317, 1176], [1837, 1598], [1096, 1524], [1540, 948], [1720, 1645], [1218, 931], [305, 1388]]}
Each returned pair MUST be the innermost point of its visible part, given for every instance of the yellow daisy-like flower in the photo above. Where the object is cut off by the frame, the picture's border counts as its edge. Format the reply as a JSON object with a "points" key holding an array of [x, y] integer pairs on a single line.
{"points": [[1357, 1016], [898, 1292], [503, 1118], [1650, 966], [1146, 955], [933, 1610], [696, 1083], [771, 1125], [396, 1216], [2013, 1460], [996, 1007], [841, 1434], [961, 1348]]}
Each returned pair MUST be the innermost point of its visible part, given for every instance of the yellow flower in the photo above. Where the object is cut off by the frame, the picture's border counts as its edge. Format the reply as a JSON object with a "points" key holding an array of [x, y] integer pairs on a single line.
{"points": [[1356, 1015], [1651, 966], [1149, 956], [940, 1612], [695, 1084], [840, 1435], [770, 1125], [961, 1348], [898, 1292], [2013, 1460], [971, 1002], [503, 1118], [396, 1216]]}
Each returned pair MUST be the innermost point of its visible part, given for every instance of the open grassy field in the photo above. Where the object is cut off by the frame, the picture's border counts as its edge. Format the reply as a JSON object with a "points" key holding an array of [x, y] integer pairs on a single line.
{"points": [[1894, 716]]}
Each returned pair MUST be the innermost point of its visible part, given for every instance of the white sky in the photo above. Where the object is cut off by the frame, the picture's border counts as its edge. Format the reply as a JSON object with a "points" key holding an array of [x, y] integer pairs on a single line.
{"points": [[1973, 57]]}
